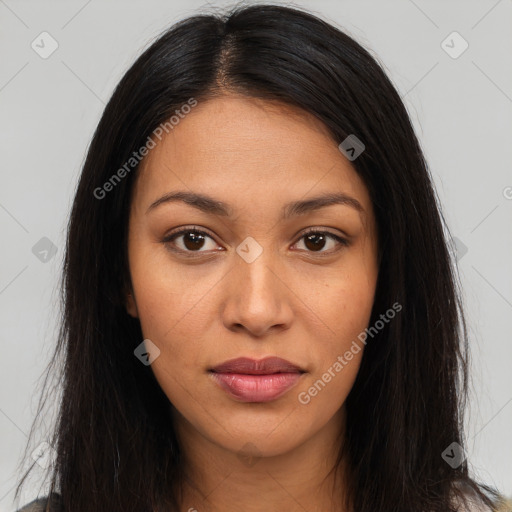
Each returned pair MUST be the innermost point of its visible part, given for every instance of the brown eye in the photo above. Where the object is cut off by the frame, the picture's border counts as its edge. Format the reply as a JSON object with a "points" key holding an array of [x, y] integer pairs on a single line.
{"points": [[192, 240], [316, 241]]}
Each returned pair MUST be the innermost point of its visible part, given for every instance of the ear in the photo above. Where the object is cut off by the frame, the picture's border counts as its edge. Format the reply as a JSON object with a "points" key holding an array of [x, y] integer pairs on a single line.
{"points": [[131, 306]]}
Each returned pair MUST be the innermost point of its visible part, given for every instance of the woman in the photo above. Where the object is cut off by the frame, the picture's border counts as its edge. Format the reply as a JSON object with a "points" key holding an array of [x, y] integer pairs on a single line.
{"points": [[260, 307]]}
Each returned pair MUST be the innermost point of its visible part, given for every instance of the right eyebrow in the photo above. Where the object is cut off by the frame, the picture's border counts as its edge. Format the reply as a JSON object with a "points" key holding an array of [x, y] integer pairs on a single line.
{"points": [[202, 202]]}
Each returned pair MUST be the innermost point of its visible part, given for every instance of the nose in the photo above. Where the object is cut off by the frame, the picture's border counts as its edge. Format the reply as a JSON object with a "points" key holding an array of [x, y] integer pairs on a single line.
{"points": [[257, 298]]}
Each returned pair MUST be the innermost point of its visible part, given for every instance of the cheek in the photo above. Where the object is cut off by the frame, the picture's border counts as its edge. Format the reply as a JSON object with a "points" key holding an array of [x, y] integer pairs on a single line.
{"points": [[325, 392], [343, 300], [169, 295], [337, 356], [172, 305], [175, 321], [344, 304]]}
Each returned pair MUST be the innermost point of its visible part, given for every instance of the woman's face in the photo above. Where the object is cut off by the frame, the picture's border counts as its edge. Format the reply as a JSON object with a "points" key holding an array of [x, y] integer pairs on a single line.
{"points": [[256, 284]]}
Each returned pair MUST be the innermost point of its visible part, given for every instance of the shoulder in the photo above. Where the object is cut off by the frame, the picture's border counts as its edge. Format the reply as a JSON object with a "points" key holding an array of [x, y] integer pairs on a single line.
{"points": [[470, 504], [506, 506], [40, 504]]}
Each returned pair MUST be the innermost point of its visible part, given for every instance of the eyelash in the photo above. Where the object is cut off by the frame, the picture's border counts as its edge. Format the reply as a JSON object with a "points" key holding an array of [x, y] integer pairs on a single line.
{"points": [[172, 236]]}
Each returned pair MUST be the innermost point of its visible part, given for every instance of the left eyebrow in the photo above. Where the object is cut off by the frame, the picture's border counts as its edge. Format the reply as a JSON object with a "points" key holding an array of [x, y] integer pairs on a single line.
{"points": [[315, 203], [210, 205]]}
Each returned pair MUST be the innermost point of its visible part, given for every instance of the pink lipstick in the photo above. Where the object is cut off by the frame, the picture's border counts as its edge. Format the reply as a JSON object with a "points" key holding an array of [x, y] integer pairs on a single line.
{"points": [[249, 380]]}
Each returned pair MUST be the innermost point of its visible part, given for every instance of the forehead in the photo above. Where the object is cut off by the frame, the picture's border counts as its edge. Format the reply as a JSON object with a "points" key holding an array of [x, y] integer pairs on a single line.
{"points": [[235, 143], [238, 127]]}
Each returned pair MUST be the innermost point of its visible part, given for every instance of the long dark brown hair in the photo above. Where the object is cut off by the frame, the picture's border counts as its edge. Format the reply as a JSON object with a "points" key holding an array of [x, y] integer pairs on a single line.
{"points": [[116, 449]]}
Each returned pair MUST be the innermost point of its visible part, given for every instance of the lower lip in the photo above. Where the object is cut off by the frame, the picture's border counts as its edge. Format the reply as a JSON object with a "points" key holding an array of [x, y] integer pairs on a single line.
{"points": [[256, 388]]}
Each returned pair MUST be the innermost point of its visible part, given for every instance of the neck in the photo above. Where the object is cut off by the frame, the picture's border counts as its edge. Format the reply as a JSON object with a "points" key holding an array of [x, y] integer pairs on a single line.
{"points": [[218, 480]]}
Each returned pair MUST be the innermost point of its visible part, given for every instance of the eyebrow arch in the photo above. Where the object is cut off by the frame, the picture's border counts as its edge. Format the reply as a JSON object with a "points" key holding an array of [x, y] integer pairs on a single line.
{"points": [[210, 205]]}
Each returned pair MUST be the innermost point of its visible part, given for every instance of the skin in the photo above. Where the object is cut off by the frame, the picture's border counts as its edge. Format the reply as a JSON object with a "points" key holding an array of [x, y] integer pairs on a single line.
{"points": [[303, 302]]}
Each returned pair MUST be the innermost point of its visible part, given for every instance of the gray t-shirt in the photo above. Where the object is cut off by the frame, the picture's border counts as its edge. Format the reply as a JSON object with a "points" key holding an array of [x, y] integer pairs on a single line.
{"points": [[39, 505]]}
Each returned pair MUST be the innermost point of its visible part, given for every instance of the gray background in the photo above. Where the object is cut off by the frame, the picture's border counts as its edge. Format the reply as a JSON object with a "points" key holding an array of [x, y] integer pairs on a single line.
{"points": [[461, 108]]}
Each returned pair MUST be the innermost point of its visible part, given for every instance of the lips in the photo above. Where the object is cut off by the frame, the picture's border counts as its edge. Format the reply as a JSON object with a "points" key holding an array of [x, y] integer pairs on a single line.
{"points": [[265, 366], [250, 380]]}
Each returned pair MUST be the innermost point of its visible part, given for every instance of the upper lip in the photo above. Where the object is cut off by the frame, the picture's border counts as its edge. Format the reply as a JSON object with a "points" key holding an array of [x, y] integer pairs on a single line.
{"points": [[250, 366]]}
